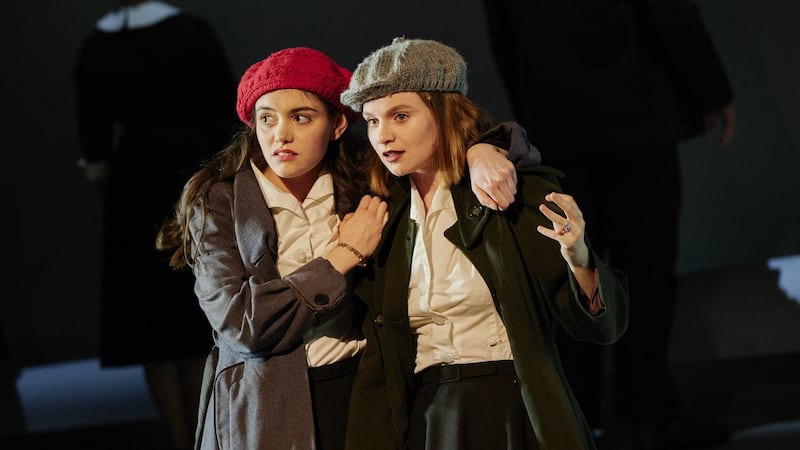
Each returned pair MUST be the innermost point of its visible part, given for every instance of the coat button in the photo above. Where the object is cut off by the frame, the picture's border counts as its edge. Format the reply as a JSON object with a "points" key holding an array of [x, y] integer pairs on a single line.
{"points": [[476, 211], [378, 319]]}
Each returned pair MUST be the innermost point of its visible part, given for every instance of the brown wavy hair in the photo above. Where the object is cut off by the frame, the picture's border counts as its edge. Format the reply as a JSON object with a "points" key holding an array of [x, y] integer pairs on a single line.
{"points": [[344, 159]]}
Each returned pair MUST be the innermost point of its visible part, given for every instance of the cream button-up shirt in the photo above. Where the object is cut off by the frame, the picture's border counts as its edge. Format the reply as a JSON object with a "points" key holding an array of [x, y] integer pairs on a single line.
{"points": [[450, 307], [307, 231]]}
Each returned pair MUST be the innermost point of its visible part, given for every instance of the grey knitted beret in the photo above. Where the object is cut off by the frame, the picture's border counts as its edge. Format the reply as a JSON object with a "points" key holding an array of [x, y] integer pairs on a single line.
{"points": [[403, 66]]}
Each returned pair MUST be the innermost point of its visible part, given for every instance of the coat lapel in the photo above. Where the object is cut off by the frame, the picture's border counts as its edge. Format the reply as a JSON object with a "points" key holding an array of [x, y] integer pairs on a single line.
{"points": [[255, 226], [472, 216]]}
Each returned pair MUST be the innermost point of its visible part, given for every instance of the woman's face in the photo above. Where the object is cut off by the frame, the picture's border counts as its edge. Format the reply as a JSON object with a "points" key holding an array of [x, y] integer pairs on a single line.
{"points": [[403, 133], [293, 128]]}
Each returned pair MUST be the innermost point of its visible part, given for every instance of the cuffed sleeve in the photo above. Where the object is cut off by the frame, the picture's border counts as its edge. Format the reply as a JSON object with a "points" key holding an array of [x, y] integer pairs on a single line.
{"points": [[307, 282]]}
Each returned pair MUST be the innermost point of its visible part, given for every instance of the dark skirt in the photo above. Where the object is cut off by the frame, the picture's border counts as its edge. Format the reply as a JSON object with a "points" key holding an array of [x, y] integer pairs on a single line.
{"points": [[470, 407], [330, 390]]}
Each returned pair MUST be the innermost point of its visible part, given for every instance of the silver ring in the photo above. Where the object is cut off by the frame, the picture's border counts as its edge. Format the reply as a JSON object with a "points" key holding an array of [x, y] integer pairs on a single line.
{"points": [[565, 230]]}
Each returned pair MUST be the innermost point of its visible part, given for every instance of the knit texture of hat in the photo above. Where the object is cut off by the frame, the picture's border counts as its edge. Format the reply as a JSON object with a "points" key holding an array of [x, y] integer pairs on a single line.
{"points": [[406, 65], [293, 68]]}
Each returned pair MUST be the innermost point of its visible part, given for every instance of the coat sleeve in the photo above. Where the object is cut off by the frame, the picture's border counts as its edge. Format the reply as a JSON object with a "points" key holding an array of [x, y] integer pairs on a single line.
{"points": [[565, 301], [246, 302], [513, 137], [95, 124], [676, 31], [502, 41]]}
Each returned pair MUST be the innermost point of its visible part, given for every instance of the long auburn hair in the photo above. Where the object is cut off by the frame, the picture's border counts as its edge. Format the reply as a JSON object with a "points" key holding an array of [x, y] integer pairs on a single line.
{"points": [[344, 159], [460, 122]]}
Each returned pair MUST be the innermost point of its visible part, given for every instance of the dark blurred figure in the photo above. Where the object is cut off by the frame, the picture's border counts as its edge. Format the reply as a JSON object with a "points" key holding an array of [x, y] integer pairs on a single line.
{"points": [[606, 90], [154, 89]]}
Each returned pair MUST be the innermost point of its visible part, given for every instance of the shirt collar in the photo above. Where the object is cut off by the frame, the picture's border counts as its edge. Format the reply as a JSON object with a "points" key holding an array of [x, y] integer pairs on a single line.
{"points": [[442, 200], [136, 16], [277, 198]]}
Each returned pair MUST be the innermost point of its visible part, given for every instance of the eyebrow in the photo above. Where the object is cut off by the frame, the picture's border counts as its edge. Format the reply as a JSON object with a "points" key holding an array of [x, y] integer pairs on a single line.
{"points": [[395, 108], [291, 111]]}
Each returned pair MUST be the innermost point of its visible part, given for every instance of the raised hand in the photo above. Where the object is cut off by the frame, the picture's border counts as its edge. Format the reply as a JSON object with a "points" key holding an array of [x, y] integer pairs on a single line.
{"points": [[568, 229]]}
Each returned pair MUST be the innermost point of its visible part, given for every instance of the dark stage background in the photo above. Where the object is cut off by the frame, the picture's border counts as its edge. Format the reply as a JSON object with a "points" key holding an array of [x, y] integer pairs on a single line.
{"points": [[741, 206]]}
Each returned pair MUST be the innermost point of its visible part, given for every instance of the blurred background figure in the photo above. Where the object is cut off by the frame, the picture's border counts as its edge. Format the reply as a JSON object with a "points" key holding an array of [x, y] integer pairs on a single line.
{"points": [[606, 90], [154, 89]]}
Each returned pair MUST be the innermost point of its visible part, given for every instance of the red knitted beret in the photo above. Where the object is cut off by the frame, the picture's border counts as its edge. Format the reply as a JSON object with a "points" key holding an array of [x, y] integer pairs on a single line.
{"points": [[293, 68]]}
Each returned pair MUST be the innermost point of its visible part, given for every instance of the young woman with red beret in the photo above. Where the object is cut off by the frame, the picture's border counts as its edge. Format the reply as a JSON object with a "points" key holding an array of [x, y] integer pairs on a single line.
{"points": [[275, 229]]}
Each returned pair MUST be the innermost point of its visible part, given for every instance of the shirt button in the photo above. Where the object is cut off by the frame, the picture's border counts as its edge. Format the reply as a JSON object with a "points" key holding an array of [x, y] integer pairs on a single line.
{"points": [[447, 355], [300, 256]]}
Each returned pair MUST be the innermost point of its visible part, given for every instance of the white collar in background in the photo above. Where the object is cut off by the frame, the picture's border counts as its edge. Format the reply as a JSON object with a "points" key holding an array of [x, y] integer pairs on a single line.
{"points": [[138, 16]]}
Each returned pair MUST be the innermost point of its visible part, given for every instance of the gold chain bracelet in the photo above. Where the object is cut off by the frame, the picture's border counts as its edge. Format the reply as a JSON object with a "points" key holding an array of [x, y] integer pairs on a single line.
{"points": [[362, 262]]}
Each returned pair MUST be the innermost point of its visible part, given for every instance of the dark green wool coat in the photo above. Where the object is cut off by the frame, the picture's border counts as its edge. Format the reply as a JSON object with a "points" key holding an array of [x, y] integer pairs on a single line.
{"points": [[532, 288]]}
